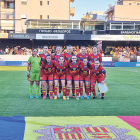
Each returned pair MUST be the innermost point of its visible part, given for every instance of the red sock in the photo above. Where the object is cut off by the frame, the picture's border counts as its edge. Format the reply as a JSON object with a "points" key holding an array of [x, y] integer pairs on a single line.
{"points": [[55, 91], [87, 90], [93, 92], [60, 89], [81, 91], [93, 89], [44, 92], [68, 91], [90, 89], [51, 92], [64, 91], [77, 91], [102, 94], [47, 90]]}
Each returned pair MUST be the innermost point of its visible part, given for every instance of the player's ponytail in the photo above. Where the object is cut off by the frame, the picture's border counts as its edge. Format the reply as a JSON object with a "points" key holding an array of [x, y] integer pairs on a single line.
{"points": [[70, 60]]}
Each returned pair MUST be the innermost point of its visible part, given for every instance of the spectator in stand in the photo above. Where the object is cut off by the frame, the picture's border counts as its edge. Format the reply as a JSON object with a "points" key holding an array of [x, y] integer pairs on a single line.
{"points": [[1, 51], [19, 51], [7, 50]]}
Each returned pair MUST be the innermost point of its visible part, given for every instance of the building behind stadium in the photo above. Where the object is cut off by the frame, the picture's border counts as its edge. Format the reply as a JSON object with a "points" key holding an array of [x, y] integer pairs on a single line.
{"points": [[14, 13]]}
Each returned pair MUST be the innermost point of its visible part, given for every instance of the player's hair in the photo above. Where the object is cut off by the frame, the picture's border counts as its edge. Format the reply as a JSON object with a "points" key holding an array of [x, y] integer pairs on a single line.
{"points": [[58, 46], [70, 60], [45, 46], [45, 61], [94, 46], [35, 49], [88, 64], [97, 60], [83, 47]]}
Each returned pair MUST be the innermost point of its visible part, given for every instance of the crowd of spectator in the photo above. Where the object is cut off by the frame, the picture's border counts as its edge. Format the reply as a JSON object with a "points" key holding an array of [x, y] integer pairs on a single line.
{"points": [[127, 51], [17, 50], [26, 51]]}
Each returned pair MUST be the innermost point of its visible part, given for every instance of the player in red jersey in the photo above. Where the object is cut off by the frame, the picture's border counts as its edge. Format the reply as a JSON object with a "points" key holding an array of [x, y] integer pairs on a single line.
{"points": [[46, 72], [60, 72], [69, 53], [56, 57], [57, 54], [98, 74], [95, 56], [67, 56], [73, 74], [84, 77], [83, 54], [43, 56]]}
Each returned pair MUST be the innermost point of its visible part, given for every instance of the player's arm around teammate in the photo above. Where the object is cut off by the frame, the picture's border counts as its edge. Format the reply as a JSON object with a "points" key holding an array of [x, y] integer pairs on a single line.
{"points": [[73, 74], [85, 77], [59, 75], [47, 74], [34, 73], [98, 74]]}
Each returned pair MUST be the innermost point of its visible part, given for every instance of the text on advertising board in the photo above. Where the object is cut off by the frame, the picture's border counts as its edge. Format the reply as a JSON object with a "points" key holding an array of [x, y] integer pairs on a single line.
{"points": [[50, 36]]}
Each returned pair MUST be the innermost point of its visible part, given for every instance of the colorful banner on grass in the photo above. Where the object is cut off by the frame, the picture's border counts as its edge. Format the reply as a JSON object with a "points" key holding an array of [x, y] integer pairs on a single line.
{"points": [[70, 128]]}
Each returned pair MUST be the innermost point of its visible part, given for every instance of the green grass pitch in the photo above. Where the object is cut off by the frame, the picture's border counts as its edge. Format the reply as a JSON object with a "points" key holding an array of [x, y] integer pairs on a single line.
{"points": [[122, 99]]}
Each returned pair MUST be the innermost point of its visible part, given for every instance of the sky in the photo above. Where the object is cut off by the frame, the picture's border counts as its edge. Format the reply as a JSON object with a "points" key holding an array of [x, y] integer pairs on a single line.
{"points": [[82, 6]]}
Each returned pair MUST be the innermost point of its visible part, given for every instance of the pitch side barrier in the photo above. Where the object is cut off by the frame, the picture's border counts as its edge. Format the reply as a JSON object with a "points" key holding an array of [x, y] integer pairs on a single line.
{"points": [[22, 60]]}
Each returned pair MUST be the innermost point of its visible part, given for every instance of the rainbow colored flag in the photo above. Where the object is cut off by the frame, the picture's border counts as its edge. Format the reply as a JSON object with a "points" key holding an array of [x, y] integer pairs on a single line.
{"points": [[70, 128]]}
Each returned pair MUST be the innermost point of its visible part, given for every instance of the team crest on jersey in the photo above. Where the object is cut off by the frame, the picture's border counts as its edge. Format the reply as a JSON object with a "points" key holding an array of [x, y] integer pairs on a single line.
{"points": [[83, 132], [74, 69], [84, 72], [94, 73], [49, 69]]}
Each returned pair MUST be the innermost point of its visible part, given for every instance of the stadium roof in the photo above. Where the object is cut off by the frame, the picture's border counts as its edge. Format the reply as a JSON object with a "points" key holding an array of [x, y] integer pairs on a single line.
{"points": [[53, 20], [123, 21]]}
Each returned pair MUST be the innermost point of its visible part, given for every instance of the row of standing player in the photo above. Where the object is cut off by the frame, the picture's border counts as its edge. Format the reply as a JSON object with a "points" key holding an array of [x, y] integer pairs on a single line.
{"points": [[54, 68]]}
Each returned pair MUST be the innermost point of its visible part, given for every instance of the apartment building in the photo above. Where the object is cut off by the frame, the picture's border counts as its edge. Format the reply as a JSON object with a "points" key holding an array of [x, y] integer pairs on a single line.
{"points": [[15, 13], [124, 10]]}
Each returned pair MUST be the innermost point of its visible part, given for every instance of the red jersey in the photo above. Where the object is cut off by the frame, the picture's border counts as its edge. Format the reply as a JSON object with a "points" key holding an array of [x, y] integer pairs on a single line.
{"points": [[67, 56], [73, 69], [43, 56], [48, 69], [56, 57], [93, 58], [84, 71], [60, 70], [97, 73], [80, 56]]}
